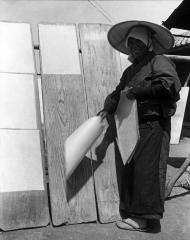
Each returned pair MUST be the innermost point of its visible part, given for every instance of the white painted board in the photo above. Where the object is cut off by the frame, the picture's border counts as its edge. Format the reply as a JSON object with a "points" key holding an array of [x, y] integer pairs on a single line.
{"points": [[177, 119], [17, 101], [126, 119], [16, 49], [59, 49], [20, 161]]}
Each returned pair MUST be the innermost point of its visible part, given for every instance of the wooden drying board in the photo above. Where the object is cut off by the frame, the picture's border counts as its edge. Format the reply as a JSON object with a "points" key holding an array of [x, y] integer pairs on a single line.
{"points": [[102, 73], [23, 198], [64, 110]]}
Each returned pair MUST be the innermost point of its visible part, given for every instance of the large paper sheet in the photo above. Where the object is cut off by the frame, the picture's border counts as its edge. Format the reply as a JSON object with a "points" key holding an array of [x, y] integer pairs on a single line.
{"points": [[16, 48], [17, 101], [127, 126], [79, 143], [20, 161], [56, 42], [177, 119]]}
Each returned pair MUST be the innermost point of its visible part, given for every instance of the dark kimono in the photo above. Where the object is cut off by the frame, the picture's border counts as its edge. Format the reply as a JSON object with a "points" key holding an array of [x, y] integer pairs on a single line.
{"points": [[155, 85]]}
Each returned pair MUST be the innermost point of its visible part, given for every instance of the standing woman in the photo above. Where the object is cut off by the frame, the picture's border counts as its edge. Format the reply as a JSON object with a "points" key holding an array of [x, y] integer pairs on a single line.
{"points": [[154, 83]]}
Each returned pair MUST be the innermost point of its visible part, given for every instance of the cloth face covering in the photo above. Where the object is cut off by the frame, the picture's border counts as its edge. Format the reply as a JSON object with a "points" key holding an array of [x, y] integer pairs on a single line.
{"points": [[141, 33]]}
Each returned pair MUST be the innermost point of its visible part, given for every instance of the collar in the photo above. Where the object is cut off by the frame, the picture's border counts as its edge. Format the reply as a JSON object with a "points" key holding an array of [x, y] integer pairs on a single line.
{"points": [[144, 57]]}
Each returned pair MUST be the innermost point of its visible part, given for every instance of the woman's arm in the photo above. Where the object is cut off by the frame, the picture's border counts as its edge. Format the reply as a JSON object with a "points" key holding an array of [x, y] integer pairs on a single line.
{"points": [[112, 100], [164, 82]]}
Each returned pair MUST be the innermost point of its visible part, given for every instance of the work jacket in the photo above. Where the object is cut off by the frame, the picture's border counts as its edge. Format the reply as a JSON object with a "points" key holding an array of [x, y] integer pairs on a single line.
{"points": [[155, 85]]}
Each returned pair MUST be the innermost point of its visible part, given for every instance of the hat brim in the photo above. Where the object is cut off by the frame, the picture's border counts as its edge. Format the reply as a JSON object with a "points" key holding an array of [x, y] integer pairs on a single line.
{"points": [[162, 39]]}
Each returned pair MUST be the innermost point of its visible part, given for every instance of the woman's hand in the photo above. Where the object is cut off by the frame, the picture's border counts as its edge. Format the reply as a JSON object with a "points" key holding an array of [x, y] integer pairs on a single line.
{"points": [[103, 114], [130, 94]]}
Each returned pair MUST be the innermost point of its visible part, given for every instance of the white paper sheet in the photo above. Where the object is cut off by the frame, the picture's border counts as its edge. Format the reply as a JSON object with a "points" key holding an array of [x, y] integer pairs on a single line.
{"points": [[16, 50], [59, 49], [20, 161], [80, 141], [127, 126], [17, 101]]}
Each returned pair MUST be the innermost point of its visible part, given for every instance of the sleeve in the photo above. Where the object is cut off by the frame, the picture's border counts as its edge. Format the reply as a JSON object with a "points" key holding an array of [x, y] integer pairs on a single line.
{"points": [[152, 91], [112, 100], [165, 82], [165, 76]]}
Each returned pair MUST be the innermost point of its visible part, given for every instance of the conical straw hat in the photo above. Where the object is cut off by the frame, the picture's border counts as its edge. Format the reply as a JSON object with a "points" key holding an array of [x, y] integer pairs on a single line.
{"points": [[162, 39]]}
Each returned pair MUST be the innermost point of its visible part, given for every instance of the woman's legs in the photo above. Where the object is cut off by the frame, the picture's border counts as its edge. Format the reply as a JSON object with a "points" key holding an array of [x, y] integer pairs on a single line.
{"points": [[142, 184]]}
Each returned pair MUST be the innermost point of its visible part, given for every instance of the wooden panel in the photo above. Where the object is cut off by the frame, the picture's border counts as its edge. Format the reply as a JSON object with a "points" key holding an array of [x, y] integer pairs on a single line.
{"points": [[23, 198], [59, 51], [64, 110], [16, 48], [102, 72], [23, 210], [180, 150], [177, 119], [17, 101]]}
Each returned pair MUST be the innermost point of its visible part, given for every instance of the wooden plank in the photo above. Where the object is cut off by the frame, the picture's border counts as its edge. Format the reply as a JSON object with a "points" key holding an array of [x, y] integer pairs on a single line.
{"points": [[23, 197], [177, 119], [64, 110], [23, 210], [17, 101], [180, 150], [16, 48], [102, 72]]}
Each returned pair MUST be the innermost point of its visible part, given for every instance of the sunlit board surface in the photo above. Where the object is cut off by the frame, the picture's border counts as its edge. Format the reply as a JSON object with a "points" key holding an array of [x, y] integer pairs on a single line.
{"points": [[72, 201], [102, 71], [17, 101], [59, 51], [177, 119], [16, 48], [23, 198]]}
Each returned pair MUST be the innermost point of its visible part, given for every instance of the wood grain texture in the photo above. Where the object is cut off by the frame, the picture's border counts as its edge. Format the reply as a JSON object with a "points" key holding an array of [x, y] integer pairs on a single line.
{"points": [[102, 73], [25, 209], [180, 150], [64, 110], [23, 198]]}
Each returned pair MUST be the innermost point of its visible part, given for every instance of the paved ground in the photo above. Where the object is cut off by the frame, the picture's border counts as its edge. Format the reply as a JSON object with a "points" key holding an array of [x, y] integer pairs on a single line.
{"points": [[174, 226]]}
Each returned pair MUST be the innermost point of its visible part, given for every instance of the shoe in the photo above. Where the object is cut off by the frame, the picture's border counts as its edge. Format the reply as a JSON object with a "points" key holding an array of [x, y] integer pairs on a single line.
{"points": [[130, 227]]}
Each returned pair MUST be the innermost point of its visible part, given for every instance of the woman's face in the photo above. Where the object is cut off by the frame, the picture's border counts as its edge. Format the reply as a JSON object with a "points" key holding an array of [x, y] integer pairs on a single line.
{"points": [[136, 47]]}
